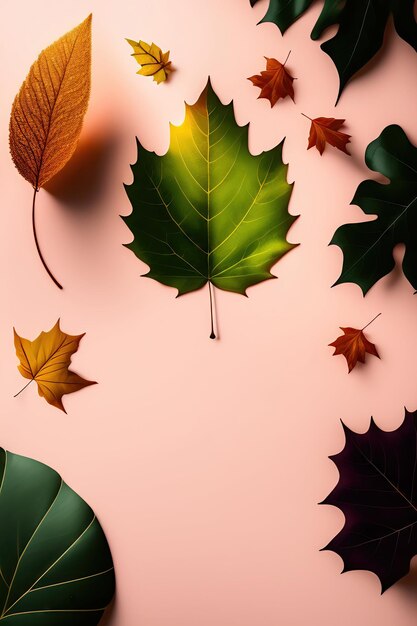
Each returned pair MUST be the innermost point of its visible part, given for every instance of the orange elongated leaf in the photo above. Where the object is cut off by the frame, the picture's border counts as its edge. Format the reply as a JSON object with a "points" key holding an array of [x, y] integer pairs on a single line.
{"points": [[275, 82], [152, 60], [48, 111], [354, 345], [46, 360], [326, 130]]}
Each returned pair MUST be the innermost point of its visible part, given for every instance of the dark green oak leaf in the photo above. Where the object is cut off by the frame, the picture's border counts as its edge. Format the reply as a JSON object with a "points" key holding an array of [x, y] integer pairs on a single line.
{"points": [[360, 35], [55, 564], [368, 246], [208, 210]]}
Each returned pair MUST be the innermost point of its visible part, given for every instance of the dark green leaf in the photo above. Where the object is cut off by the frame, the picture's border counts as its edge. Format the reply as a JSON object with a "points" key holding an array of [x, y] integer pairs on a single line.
{"points": [[368, 246], [404, 21], [55, 564], [360, 36], [283, 13], [329, 15], [208, 210]]}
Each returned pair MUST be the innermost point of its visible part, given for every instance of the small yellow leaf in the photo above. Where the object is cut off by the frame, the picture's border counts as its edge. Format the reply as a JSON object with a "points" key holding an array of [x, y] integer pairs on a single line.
{"points": [[48, 111], [152, 60], [46, 360]]}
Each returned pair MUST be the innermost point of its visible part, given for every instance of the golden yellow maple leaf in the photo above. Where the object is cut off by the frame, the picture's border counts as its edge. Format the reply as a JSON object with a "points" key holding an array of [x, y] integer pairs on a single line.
{"points": [[46, 360], [48, 112], [152, 60]]}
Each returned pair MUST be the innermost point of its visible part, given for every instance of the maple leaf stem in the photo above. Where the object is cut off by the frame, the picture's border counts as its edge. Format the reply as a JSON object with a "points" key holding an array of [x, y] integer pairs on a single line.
{"points": [[288, 56], [37, 243], [23, 388], [372, 320], [309, 118], [212, 334]]}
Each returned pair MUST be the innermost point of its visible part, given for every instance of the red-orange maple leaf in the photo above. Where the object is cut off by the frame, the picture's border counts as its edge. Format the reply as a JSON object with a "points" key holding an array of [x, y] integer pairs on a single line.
{"points": [[326, 130], [275, 82], [354, 345]]}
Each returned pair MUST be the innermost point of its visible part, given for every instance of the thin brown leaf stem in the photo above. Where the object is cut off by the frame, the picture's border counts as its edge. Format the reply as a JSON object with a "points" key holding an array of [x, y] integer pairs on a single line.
{"points": [[372, 320], [23, 388], [288, 56], [37, 242], [309, 118], [212, 334]]}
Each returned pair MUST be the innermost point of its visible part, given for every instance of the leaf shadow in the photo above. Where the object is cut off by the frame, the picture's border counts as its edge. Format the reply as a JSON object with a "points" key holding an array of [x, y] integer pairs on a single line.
{"points": [[408, 584], [81, 183], [396, 274], [108, 615]]}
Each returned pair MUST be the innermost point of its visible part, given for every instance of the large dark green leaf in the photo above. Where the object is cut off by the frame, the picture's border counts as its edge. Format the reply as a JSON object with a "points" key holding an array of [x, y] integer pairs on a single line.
{"points": [[359, 37], [55, 564], [208, 210], [368, 246], [361, 29]]}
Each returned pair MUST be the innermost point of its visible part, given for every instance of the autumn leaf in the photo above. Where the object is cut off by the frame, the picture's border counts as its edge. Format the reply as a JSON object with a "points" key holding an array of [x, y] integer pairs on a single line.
{"points": [[326, 130], [46, 360], [48, 112], [377, 493], [275, 82], [361, 28], [354, 345], [152, 60], [208, 211], [368, 246]]}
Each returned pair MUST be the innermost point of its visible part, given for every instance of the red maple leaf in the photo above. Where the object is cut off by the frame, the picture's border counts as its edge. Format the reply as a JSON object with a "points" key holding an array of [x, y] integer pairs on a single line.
{"points": [[326, 130], [354, 345], [275, 82]]}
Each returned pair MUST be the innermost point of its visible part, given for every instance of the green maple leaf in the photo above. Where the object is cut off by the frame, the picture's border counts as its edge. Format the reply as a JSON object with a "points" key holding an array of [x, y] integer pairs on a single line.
{"points": [[361, 30], [368, 246], [208, 210]]}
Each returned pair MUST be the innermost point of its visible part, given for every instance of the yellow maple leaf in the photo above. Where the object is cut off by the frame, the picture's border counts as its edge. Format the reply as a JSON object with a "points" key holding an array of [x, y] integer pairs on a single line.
{"points": [[46, 360], [152, 60]]}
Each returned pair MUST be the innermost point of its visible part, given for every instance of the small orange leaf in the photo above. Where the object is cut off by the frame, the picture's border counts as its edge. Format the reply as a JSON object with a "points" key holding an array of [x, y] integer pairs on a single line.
{"points": [[326, 130], [152, 60], [354, 345], [46, 360], [275, 83], [48, 111]]}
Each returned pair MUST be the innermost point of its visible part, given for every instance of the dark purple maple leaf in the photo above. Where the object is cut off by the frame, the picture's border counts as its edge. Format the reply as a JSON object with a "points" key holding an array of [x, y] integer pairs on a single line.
{"points": [[377, 493]]}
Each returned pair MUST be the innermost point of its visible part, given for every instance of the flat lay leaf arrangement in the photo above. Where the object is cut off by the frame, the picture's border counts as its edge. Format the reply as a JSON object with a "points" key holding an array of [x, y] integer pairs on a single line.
{"points": [[377, 493], [368, 246], [46, 361], [152, 60], [56, 567], [362, 25], [208, 211], [48, 112]]}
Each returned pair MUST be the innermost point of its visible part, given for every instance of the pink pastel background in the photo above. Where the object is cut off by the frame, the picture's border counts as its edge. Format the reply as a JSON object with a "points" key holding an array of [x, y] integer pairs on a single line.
{"points": [[205, 460]]}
